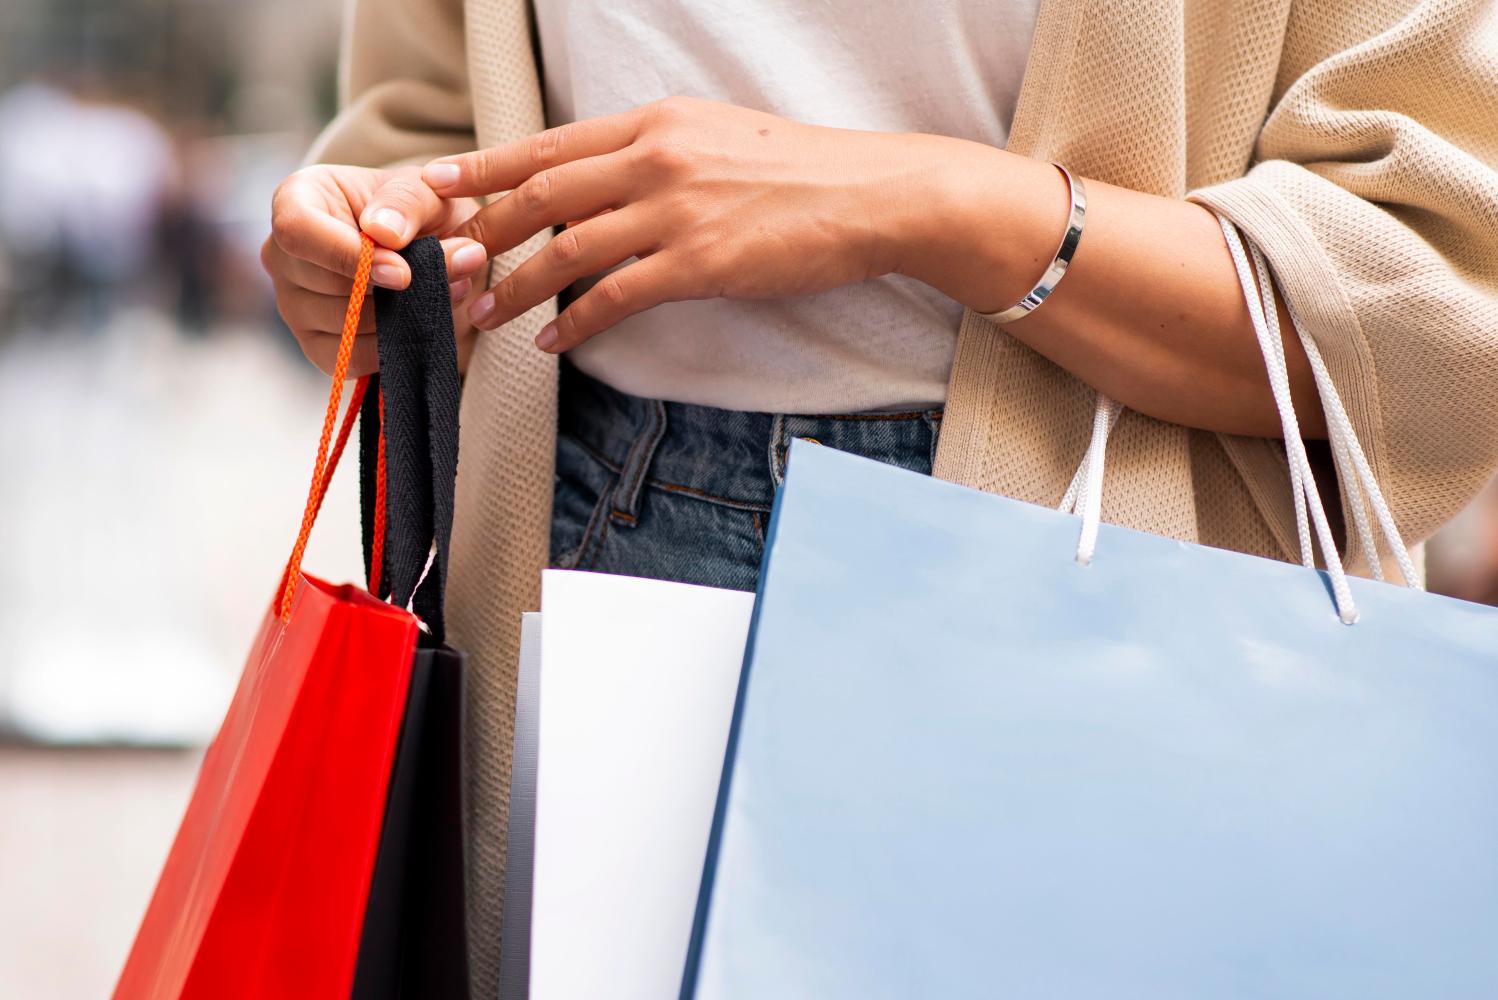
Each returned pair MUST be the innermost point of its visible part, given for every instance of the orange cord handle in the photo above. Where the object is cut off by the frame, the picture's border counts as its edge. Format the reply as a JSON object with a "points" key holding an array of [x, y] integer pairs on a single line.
{"points": [[344, 429], [327, 454]]}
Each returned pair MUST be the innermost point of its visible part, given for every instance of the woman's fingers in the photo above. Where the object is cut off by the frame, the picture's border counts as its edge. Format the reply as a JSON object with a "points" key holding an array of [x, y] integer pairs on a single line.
{"points": [[314, 247], [312, 312], [317, 322], [631, 289], [303, 228], [574, 253], [298, 273], [465, 259], [402, 208], [552, 197], [503, 168], [322, 350]]}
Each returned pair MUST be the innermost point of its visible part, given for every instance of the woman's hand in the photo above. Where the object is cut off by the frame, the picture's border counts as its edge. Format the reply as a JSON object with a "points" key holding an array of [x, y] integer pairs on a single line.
{"points": [[714, 200], [720, 201], [316, 217]]}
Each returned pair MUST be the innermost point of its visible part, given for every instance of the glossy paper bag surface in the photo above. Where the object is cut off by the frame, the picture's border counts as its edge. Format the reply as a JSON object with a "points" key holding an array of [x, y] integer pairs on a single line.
{"points": [[636, 693], [322, 849], [964, 765], [263, 892], [414, 945]]}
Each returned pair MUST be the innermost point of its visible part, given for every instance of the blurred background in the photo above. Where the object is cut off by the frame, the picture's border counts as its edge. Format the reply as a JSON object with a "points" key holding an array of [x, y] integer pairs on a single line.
{"points": [[157, 428]]}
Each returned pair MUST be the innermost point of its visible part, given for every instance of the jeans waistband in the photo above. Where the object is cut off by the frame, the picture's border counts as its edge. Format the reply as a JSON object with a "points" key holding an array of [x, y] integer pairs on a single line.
{"points": [[725, 456]]}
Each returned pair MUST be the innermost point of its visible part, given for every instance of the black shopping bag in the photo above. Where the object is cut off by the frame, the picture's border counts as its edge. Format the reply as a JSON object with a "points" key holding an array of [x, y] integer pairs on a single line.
{"points": [[414, 940]]}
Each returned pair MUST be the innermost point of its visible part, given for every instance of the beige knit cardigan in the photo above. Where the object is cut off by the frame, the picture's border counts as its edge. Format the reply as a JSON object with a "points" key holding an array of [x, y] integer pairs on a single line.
{"points": [[1354, 141]]}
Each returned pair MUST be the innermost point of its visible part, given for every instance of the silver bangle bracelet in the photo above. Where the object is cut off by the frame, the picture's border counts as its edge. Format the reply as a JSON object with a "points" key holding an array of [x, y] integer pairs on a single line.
{"points": [[1059, 264]]}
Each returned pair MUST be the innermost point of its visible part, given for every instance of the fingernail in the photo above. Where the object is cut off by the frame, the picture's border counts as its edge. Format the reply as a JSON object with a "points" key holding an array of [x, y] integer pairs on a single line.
{"points": [[469, 258], [458, 289], [390, 219], [547, 338], [481, 310], [440, 175], [386, 275]]}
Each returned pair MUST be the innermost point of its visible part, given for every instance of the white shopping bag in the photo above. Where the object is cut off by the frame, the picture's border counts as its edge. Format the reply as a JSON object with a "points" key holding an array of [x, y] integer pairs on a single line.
{"points": [[628, 722], [515, 930]]}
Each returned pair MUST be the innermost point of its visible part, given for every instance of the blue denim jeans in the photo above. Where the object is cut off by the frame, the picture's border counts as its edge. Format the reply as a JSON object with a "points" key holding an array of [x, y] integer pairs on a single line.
{"points": [[677, 492]]}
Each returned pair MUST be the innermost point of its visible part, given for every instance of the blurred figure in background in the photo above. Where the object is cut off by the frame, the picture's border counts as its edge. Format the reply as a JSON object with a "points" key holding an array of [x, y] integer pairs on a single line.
{"points": [[84, 181], [33, 200], [125, 171], [153, 434]]}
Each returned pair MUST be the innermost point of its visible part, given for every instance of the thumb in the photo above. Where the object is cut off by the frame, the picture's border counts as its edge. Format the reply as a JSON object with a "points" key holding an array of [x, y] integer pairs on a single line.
{"points": [[401, 208]]}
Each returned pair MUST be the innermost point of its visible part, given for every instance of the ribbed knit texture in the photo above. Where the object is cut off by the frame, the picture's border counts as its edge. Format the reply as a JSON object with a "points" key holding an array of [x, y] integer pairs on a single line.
{"points": [[1354, 141]]}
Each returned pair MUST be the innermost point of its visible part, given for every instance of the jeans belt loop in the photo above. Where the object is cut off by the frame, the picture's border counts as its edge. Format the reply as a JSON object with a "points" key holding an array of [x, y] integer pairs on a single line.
{"points": [[636, 468]]}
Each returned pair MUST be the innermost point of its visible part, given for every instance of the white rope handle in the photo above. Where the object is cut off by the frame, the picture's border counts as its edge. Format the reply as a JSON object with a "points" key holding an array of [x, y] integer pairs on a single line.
{"points": [[1305, 495], [1353, 469], [1084, 494]]}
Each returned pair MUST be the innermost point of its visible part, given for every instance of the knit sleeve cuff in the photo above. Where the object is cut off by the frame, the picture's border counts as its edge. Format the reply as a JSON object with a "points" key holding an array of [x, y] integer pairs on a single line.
{"points": [[1307, 279]]}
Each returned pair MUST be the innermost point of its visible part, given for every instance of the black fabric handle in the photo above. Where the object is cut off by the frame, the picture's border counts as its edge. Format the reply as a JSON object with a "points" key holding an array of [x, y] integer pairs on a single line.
{"points": [[419, 384]]}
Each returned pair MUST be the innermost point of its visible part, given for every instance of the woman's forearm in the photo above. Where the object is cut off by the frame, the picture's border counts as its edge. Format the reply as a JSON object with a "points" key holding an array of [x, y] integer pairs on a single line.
{"points": [[1150, 311], [716, 201]]}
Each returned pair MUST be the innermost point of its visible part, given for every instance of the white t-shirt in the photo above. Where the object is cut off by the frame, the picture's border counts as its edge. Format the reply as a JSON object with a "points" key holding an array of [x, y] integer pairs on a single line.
{"points": [[949, 67]]}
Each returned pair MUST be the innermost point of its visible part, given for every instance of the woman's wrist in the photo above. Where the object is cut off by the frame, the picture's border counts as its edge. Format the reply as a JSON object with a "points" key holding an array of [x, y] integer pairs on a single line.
{"points": [[1150, 313], [985, 224]]}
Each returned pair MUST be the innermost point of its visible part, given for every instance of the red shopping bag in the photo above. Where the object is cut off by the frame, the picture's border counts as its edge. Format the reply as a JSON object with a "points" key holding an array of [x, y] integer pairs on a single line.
{"points": [[266, 890]]}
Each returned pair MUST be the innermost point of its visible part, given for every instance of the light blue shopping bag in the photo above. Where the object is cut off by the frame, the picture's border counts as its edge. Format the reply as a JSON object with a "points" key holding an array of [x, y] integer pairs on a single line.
{"points": [[966, 765], [981, 749]]}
